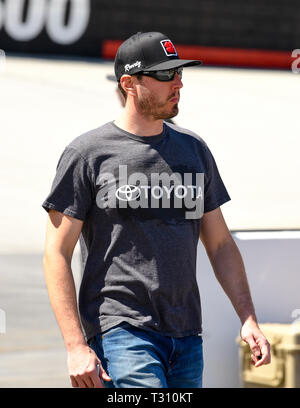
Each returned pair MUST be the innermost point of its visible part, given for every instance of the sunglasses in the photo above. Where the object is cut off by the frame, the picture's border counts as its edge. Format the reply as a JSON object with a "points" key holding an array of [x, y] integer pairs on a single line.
{"points": [[164, 75]]}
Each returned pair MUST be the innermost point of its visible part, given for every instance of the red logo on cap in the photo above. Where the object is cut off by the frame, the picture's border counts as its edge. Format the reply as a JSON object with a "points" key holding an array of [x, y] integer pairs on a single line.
{"points": [[168, 48]]}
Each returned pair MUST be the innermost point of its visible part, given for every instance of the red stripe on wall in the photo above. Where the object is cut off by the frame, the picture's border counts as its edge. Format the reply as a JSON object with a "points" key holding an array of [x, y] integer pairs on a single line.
{"points": [[220, 55]]}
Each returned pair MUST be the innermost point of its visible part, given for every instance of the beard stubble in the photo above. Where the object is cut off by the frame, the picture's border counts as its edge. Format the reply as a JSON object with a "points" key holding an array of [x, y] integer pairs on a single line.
{"points": [[149, 106]]}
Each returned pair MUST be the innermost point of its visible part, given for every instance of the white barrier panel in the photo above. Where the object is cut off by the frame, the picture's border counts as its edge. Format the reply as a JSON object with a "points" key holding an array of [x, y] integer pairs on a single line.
{"points": [[273, 264], [2, 322]]}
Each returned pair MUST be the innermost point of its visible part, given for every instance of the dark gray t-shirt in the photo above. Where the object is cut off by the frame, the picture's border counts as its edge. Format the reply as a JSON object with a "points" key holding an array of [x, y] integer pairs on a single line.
{"points": [[141, 200]]}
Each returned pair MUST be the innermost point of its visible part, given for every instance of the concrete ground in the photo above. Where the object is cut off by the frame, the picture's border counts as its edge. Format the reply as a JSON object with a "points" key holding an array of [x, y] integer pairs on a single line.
{"points": [[249, 118], [32, 352]]}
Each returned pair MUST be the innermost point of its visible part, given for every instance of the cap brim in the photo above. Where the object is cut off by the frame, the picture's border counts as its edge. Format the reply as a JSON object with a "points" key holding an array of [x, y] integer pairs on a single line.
{"points": [[111, 77], [175, 63]]}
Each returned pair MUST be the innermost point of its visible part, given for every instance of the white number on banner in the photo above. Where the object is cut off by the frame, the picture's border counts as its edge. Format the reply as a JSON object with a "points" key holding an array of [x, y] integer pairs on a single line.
{"points": [[15, 27], [1, 15], [45, 13], [78, 21]]}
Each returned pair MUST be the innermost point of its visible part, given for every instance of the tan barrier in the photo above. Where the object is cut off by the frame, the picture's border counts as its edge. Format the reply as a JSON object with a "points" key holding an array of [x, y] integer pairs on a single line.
{"points": [[284, 370]]}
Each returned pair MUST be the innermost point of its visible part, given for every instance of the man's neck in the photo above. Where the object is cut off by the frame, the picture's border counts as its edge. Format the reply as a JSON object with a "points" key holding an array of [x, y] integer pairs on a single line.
{"points": [[139, 125]]}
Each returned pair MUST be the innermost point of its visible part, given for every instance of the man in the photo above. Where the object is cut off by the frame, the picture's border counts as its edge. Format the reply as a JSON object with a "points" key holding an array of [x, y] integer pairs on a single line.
{"points": [[138, 193]]}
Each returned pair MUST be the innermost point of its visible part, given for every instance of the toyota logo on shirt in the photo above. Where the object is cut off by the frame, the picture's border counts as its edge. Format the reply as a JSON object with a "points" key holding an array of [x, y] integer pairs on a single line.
{"points": [[128, 192]]}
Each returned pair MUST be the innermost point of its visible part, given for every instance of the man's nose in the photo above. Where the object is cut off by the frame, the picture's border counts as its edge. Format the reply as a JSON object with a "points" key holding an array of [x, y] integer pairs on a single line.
{"points": [[177, 82]]}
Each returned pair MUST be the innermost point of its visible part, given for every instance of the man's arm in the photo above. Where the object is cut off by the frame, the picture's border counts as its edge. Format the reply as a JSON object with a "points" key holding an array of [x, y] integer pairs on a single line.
{"points": [[229, 269], [61, 237]]}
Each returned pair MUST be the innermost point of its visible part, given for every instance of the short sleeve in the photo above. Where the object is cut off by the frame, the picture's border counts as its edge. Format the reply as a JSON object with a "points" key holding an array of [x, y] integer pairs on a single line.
{"points": [[72, 189], [215, 193]]}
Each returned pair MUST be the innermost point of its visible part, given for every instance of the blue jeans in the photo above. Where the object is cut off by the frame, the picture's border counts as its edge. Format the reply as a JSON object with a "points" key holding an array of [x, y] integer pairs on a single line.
{"points": [[136, 358]]}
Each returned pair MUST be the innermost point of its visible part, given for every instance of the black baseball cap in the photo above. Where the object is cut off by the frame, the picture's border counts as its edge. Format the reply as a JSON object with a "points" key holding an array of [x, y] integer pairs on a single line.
{"points": [[148, 52]]}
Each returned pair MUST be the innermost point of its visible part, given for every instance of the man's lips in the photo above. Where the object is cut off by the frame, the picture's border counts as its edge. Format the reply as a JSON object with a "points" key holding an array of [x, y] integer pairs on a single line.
{"points": [[174, 98]]}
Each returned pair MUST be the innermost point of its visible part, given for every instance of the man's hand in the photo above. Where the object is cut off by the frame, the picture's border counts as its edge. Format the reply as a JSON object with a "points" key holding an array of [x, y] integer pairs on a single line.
{"points": [[82, 365], [259, 345]]}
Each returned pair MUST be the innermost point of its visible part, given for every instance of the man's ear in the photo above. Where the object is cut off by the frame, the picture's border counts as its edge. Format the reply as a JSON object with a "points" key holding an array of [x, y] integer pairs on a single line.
{"points": [[128, 84]]}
